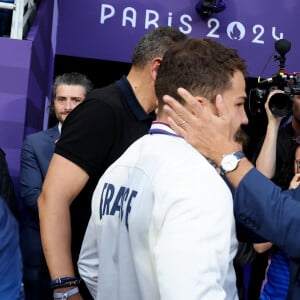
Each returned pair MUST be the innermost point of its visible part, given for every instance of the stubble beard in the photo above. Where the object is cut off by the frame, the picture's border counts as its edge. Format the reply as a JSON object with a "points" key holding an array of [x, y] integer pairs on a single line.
{"points": [[242, 138]]}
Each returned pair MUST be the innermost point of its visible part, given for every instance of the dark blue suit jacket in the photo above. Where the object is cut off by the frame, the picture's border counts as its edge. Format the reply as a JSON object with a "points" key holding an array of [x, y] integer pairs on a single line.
{"points": [[273, 214], [10, 256], [37, 151]]}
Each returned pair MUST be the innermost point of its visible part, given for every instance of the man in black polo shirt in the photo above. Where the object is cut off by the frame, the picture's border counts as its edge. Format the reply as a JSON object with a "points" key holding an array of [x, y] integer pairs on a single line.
{"points": [[93, 137]]}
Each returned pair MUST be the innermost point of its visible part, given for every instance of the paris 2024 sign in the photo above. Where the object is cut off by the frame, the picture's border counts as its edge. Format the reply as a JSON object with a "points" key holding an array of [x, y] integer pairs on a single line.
{"points": [[109, 29]]}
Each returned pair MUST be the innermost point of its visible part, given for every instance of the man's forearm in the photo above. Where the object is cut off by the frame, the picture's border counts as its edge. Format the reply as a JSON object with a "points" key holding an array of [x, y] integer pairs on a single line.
{"points": [[56, 238], [266, 160], [63, 182]]}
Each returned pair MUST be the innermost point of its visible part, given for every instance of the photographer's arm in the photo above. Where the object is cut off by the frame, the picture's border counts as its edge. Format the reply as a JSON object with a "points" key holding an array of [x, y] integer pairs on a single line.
{"points": [[266, 160]]}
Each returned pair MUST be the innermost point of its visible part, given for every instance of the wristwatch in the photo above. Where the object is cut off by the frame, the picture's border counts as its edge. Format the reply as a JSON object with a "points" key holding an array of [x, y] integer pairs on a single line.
{"points": [[230, 161]]}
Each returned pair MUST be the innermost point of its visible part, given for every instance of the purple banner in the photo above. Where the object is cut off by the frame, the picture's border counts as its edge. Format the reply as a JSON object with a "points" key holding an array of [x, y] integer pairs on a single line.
{"points": [[109, 29], [26, 72]]}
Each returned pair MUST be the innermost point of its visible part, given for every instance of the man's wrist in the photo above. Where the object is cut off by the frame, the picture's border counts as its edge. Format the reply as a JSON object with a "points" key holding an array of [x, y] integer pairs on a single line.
{"points": [[64, 282], [217, 157], [230, 162], [236, 176]]}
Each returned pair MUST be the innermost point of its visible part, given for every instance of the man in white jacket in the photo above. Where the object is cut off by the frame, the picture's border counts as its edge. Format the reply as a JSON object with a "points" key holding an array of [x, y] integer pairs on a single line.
{"points": [[162, 224]]}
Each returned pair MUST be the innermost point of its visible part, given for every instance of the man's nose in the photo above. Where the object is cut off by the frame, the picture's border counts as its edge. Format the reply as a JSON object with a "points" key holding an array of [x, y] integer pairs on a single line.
{"points": [[69, 104], [245, 119]]}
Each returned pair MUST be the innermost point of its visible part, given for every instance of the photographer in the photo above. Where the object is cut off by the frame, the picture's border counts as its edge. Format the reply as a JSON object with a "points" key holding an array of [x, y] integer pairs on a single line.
{"points": [[265, 161], [278, 140], [277, 273]]}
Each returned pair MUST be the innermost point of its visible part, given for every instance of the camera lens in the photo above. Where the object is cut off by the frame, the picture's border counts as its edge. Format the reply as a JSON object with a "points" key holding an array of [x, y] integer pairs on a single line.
{"points": [[280, 105]]}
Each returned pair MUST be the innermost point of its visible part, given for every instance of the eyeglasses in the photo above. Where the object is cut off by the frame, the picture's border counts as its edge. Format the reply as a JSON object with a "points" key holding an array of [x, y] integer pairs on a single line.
{"points": [[64, 100]]}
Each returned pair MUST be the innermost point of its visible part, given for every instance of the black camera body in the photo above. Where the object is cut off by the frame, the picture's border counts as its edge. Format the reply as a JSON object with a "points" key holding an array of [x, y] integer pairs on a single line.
{"points": [[280, 104]]}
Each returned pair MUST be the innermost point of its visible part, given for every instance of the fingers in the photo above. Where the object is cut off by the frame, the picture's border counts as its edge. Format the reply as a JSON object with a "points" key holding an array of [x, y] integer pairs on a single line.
{"points": [[273, 92], [178, 110], [222, 115], [191, 101], [173, 110], [195, 110], [179, 116], [222, 110], [295, 181], [270, 115], [182, 123], [173, 124]]}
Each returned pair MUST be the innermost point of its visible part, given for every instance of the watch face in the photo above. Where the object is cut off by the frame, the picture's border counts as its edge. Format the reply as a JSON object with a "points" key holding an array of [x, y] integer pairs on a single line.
{"points": [[229, 162]]}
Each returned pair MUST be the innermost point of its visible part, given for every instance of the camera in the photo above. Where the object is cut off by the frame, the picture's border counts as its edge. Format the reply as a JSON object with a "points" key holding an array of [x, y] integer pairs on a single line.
{"points": [[280, 104]]}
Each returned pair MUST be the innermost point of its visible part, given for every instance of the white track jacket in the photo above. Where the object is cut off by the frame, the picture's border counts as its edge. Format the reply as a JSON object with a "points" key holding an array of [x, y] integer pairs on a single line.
{"points": [[162, 226]]}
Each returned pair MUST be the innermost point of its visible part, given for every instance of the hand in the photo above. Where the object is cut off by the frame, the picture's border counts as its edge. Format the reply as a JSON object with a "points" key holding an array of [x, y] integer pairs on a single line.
{"points": [[209, 132], [272, 118], [295, 181]]}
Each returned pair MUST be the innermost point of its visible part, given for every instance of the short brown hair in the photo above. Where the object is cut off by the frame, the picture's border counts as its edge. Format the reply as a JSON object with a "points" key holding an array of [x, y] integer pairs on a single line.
{"points": [[202, 66]]}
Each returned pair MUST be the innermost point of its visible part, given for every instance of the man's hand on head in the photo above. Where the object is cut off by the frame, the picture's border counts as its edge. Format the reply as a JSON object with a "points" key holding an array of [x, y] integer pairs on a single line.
{"points": [[209, 132]]}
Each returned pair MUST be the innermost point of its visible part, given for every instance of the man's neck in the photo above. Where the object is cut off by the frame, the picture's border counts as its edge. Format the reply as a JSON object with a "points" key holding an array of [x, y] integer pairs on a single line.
{"points": [[143, 88]]}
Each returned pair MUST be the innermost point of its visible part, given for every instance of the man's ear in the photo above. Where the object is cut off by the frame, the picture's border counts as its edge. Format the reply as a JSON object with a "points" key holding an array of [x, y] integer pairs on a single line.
{"points": [[202, 101], [207, 104], [155, 63]]}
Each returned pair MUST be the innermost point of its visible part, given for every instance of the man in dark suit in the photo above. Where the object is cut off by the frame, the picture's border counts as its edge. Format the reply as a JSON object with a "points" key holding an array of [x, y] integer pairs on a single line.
{"points": [[69, 90]]}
